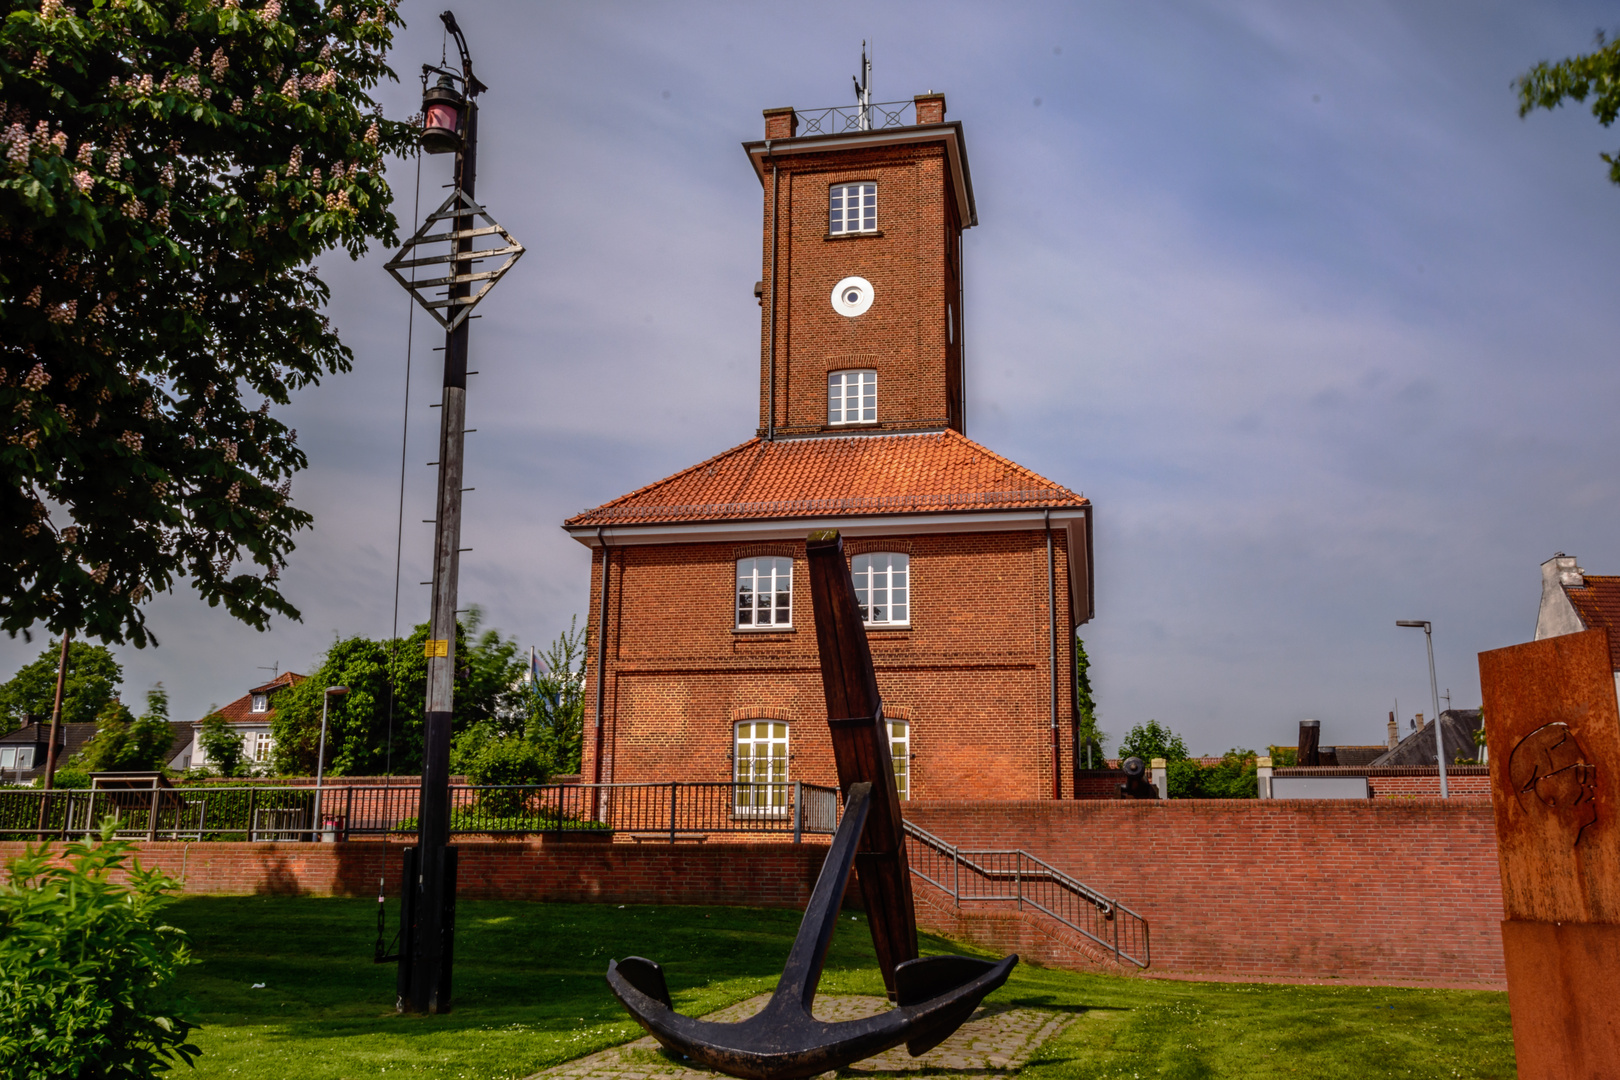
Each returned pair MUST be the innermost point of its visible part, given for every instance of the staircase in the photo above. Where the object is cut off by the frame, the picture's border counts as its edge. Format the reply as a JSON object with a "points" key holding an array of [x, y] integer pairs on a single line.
{"points": [[1107, 929]]}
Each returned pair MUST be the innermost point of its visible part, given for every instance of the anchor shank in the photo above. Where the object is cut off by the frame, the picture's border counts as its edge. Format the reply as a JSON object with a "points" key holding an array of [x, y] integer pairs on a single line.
{"points": [[860, 741], [802, 974]]}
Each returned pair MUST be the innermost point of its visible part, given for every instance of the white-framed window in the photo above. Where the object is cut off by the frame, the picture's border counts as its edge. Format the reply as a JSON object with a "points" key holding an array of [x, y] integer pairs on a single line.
{"points": [[765, 592], [760, 767], [261, 703], [263, 745], [883, 587], [852, 397], [900, 751], [8, 757], [851, 208]]}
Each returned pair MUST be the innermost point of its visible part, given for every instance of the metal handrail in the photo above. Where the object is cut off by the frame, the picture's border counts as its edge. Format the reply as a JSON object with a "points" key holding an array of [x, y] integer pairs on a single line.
{"points": [[1039, 885], [262, 812], [837, 119]]}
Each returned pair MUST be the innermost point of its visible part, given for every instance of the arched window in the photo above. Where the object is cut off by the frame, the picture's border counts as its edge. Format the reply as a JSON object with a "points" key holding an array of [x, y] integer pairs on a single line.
{"points": [[852, 397], [760, 767], [851, 208], [883, 587], [900, 751]]}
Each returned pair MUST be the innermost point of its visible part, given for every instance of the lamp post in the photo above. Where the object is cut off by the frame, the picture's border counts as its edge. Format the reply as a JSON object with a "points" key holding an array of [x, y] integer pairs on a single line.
{"points": [[320, 755], [449, 126], [1434, 694]]}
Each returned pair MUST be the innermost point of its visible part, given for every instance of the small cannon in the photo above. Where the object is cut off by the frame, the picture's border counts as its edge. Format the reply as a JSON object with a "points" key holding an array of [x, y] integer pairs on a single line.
{"points": [[1137, 784]]}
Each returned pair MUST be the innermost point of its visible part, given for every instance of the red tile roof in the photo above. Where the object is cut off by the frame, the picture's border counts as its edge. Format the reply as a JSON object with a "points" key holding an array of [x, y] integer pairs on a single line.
{"points": [[1598, 605], [840, 476], [241, 711]]}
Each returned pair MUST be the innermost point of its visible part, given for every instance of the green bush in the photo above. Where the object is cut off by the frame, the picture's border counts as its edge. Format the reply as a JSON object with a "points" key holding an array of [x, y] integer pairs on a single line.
{"points": [[1233, 777], [86, 966], [512, 760], [67, 776]]}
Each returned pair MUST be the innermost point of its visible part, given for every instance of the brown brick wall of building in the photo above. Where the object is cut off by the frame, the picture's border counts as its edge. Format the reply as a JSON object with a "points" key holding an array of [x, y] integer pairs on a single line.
{"points": [[1364, 889], [973, 669], [912, 266]]}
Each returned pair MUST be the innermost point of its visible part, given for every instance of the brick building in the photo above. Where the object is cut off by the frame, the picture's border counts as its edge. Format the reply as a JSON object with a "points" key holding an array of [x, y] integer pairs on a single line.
{"points": [[973, 571]]}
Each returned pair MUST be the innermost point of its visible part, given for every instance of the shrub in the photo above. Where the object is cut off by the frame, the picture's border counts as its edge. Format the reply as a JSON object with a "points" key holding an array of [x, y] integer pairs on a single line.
{"points": [[68, 776], [512, 760], [1233, 777], [86, 967]]}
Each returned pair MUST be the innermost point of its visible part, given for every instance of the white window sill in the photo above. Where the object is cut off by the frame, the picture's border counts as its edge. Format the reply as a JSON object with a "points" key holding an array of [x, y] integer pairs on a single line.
{"points": [[786, 628], [887, 625]]}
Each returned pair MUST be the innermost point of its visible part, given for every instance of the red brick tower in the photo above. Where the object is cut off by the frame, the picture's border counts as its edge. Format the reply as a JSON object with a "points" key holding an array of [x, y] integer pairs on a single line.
{"points": [[974, 571]]}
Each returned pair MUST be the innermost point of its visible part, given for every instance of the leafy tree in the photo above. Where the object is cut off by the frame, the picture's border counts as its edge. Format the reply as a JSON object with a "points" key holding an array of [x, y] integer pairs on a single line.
{"points": [[88, 965], [92, 681], [1547, 86], [358, 740], [124, 744], [1284, 757], [171, 169], [556, 707], [222, 745], [1091, 737], [511, 759], [1150, 740]]}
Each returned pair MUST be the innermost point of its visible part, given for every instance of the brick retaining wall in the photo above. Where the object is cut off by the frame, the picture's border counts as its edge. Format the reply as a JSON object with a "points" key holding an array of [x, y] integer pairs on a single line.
{"points": [[1371, 890], [757, 874]]}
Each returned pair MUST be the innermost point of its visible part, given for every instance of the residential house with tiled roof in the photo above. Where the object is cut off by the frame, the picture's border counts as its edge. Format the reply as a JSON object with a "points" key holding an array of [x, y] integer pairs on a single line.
{"points": [[972, 571], [250, 716], [23, 752], [1573, 600]]}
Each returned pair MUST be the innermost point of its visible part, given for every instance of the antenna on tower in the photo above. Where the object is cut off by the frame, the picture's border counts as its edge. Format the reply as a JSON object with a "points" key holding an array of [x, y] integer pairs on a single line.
{"points": [[274, 670], [863, 92]]}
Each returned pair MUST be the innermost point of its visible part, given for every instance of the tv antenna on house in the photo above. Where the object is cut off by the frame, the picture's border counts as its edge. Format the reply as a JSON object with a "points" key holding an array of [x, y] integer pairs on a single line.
{"points": [[1447, 696], [863, 92], [274, 669]]}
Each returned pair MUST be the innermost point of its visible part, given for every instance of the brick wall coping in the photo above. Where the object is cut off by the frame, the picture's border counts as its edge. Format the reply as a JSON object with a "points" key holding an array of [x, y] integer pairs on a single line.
{"points": [[1385, 770], [1052, 807]]}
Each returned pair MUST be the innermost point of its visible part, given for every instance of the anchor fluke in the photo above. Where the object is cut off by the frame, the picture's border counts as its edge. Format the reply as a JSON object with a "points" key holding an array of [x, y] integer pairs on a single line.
{"points": [[644, 975]]}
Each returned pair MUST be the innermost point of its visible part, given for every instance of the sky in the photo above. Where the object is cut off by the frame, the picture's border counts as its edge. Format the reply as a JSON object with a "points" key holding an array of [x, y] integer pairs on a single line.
{"points": [[1322, 327]]}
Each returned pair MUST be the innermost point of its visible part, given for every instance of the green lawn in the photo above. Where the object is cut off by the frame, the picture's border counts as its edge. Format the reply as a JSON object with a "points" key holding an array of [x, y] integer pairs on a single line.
{"points": [[529, 993]]}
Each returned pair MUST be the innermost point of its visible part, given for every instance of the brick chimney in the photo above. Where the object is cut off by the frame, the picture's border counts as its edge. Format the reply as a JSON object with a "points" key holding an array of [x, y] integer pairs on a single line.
{"points": [[782, 123], [930, 108], [1394, 731]]}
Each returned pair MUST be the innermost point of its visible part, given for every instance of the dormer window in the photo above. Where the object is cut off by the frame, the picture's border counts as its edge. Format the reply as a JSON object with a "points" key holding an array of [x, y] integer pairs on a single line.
{"points": [[851, 208], [261, 702], [852, 397]]}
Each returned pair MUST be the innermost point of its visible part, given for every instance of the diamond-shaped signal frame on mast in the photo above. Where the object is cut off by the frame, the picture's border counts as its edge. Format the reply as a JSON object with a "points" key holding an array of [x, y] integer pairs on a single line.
{"points": [[458, 205]]}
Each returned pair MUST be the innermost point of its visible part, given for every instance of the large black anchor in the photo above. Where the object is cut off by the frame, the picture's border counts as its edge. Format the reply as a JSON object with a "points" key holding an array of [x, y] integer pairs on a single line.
{"points": [[933, 995]]}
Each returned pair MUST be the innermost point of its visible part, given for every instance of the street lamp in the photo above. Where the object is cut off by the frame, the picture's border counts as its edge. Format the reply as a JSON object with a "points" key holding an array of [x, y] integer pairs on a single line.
{"points": [[320, 755], [1434, 693]]}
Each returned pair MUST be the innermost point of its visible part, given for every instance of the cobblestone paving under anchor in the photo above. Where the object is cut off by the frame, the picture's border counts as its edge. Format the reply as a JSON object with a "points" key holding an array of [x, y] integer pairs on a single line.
{"points": [[995, 1042]]}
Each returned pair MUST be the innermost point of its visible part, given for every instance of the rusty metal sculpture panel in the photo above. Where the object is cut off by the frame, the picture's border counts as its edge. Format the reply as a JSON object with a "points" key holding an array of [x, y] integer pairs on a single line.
{"points": [[1552, 726], [934, 995]]}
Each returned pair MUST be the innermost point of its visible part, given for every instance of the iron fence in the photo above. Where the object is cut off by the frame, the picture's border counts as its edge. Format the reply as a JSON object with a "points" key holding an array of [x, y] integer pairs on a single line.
{"points": [[1015, 876], [837, 119], [669, 811]]}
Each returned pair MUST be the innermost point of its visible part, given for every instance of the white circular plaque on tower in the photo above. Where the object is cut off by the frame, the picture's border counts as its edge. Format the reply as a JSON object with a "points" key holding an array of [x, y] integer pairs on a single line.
{"points": [[852, 296]]}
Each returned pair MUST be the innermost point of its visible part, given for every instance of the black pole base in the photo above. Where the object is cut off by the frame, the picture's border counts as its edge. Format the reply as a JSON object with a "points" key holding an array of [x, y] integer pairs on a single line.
{"points": [[427, 931]]}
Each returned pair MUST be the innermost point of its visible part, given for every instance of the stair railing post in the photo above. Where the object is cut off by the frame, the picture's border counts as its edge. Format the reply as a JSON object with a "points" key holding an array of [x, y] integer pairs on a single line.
{"points": [[673, 784], [798, 810], [1018, 877], [956, 874]]}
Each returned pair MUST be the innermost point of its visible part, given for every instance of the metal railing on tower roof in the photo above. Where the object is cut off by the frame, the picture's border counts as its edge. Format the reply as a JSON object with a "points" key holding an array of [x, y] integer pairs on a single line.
{"points": [[840, 119]]}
